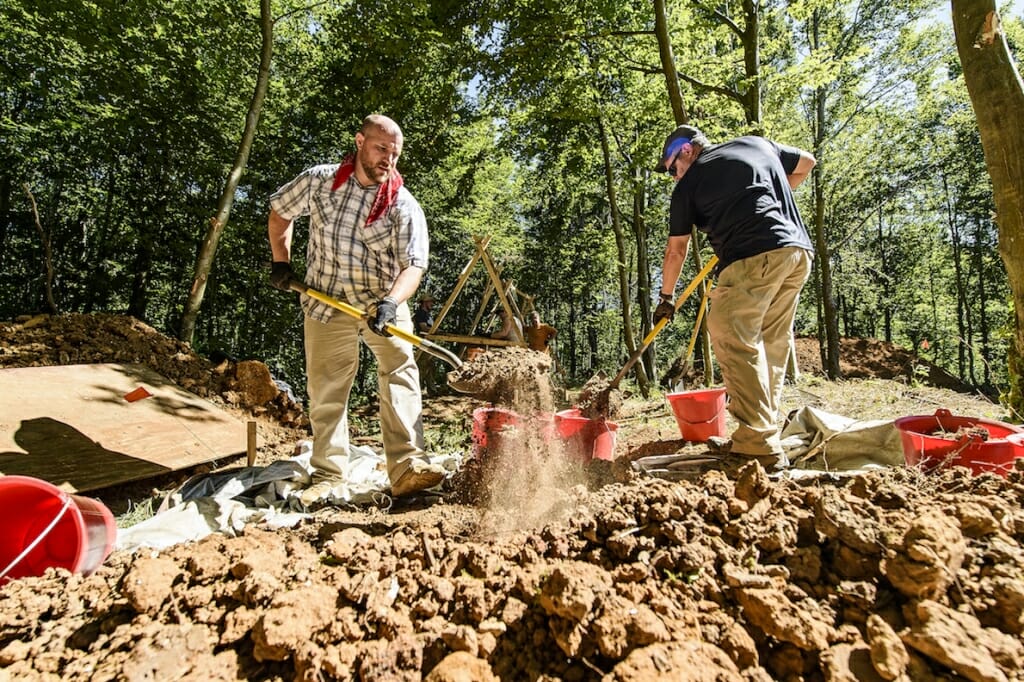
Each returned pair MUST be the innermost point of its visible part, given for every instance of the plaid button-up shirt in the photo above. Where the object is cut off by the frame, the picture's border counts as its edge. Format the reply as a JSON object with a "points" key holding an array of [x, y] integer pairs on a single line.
{"points": [[346, 258]]}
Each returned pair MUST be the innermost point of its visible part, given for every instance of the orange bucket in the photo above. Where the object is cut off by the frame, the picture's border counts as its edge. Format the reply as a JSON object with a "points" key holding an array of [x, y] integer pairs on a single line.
{"points": [[700, 414], [489, 423], [586, 439]]}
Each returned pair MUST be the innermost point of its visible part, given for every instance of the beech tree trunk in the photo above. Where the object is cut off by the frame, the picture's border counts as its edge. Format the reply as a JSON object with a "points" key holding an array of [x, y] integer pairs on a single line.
{"points": [[997, 95]]}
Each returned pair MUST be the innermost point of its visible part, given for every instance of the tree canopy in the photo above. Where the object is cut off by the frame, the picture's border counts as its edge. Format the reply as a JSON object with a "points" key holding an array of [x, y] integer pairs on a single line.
{"points": [[533, 122]]}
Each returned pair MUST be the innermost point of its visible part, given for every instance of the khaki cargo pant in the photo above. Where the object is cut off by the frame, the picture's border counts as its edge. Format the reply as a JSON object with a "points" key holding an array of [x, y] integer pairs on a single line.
{"points": [[751, 326], [332, 358]]}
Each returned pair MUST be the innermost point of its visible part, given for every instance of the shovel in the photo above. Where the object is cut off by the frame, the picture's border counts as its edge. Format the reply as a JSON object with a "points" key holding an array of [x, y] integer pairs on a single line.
{"points": [[429, 347], [662, 322]]}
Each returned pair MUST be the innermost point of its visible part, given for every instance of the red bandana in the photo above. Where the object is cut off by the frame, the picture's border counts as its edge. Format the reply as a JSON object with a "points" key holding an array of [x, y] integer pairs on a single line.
{"points": [[386, 191]]}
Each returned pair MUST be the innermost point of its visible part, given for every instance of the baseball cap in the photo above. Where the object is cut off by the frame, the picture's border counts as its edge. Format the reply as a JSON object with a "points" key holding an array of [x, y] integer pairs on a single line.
{"points": [[674, 142]]}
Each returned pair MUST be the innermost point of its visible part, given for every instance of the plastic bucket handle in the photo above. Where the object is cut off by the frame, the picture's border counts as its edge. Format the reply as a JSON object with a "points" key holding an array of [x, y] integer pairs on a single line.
{"points": [[39, 538]]}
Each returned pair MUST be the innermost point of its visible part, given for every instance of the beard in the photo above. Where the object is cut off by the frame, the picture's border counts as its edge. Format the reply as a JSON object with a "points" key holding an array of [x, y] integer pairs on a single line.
{"points": [[375, 173]]}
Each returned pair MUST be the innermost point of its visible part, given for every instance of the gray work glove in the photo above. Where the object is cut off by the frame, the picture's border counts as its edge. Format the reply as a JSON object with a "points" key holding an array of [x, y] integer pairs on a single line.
{"points": [[385, 315], [665, 310], [281, 275]]}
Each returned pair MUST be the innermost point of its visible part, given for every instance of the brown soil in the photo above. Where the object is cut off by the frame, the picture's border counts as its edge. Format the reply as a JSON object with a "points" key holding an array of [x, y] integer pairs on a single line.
{"points": [[511, 376], [894, 575], [599, 400]]}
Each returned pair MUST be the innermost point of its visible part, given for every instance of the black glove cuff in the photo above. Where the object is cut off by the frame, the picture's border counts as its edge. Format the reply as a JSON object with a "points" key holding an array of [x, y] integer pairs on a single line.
{"points": [[664, 298]]}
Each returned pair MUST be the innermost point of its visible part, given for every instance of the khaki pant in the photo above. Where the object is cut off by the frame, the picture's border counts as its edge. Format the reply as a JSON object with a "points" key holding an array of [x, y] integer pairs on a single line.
{"points": [[751, 326], [332, 358]]}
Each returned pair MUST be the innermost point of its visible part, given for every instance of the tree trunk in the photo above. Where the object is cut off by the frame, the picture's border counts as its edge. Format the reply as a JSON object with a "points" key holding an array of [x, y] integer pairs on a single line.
{"points": [[44, 237], [752, 62], [883, 260], [830, 361], [986, 354], [997, 95], [204, 262], [620, 247], [668, 63], [643, 266], [5, 209], [963, 306]]}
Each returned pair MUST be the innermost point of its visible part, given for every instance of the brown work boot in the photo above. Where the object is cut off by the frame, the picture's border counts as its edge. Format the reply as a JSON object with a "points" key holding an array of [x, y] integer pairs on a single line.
{"points": [[321, 490], [419, 476]]}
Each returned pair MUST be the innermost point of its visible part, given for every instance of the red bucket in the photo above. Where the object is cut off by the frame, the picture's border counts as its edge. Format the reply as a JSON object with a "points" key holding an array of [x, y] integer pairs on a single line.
{"points": [[490, 424], [921, 445], [493, 425], [700, 414], [586, 439], [44, 526]]}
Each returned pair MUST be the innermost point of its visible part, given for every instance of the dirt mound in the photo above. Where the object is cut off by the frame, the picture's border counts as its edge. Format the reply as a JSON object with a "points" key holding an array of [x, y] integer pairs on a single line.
{"points": [[891, 575], [875, 359], [887, 576]]}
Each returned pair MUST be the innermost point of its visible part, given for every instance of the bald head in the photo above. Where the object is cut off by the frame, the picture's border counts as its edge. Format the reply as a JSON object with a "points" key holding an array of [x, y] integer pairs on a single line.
{"points": [[378, 146], [380, 124]]}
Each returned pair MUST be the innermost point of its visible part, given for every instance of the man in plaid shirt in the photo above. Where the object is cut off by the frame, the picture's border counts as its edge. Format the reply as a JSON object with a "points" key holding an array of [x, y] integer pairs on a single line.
{"points": [[368, 245]]}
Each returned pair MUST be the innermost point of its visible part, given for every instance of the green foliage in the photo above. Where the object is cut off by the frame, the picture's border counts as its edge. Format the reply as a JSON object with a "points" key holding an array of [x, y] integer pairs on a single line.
{"points": [[123, 118]]}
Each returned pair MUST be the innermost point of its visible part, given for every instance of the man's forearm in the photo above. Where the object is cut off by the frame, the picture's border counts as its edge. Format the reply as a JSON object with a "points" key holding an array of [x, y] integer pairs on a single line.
{"points": [[279, 230], [672, 266], [406, 284]]}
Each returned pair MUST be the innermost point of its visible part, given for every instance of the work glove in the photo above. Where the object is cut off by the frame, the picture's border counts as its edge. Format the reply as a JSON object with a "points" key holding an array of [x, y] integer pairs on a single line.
{"points": [[385, 315], [281, 275], [665, 310]]}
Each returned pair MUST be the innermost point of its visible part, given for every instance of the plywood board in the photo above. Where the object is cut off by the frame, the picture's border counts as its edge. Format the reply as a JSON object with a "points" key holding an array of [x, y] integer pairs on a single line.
{"points": [[71, 425]]}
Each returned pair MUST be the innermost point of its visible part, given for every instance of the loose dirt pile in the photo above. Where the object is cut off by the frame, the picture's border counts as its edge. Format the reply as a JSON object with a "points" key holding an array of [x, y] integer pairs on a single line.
{"points": [[888, 576], [511, 376], [893, 575]]}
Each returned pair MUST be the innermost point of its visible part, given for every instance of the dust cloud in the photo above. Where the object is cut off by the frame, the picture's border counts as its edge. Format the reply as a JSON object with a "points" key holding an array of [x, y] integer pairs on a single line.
{"points": [[522, 475]]}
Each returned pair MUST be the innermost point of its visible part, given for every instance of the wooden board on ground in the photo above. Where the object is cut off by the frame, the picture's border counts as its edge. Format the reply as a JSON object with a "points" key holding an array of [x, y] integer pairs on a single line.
{"points": [[72, 426]]}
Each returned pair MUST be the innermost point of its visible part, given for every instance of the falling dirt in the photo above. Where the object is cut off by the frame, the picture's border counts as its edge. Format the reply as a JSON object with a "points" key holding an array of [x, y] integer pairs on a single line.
{"points": [[599, 399], [892, 575], [519, 468]]}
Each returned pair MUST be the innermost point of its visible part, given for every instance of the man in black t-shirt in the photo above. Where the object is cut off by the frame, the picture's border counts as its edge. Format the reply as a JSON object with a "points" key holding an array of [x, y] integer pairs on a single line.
{"points": [[739, 193], [423, 320]]}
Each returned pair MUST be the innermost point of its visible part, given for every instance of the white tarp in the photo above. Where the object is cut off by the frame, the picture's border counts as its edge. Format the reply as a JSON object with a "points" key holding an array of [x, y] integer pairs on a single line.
{"points": [[227, 501], [815, 441]]}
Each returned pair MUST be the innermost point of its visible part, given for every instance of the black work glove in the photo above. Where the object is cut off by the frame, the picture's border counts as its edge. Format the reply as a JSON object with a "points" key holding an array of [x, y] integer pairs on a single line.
{"points": [[386, 308], [281, 275], [665, 310]]}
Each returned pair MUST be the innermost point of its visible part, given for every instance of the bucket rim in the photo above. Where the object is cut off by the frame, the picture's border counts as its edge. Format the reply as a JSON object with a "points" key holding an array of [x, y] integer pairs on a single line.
{"points": [[714, 389], [904, 423]]}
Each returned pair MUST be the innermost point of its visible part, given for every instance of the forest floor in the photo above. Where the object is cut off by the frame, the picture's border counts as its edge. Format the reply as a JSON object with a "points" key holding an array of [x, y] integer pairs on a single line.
{"points": [[598, 574]]}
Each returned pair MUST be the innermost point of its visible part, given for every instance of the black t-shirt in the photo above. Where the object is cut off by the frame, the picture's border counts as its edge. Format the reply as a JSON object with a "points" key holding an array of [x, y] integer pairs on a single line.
{"points": [[737, 193], [422, 320]]}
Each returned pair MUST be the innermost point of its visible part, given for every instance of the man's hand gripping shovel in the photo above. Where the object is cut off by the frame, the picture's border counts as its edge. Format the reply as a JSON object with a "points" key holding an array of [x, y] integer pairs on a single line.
{"points": [[595, 397], [442, 354], [663, 322]]}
